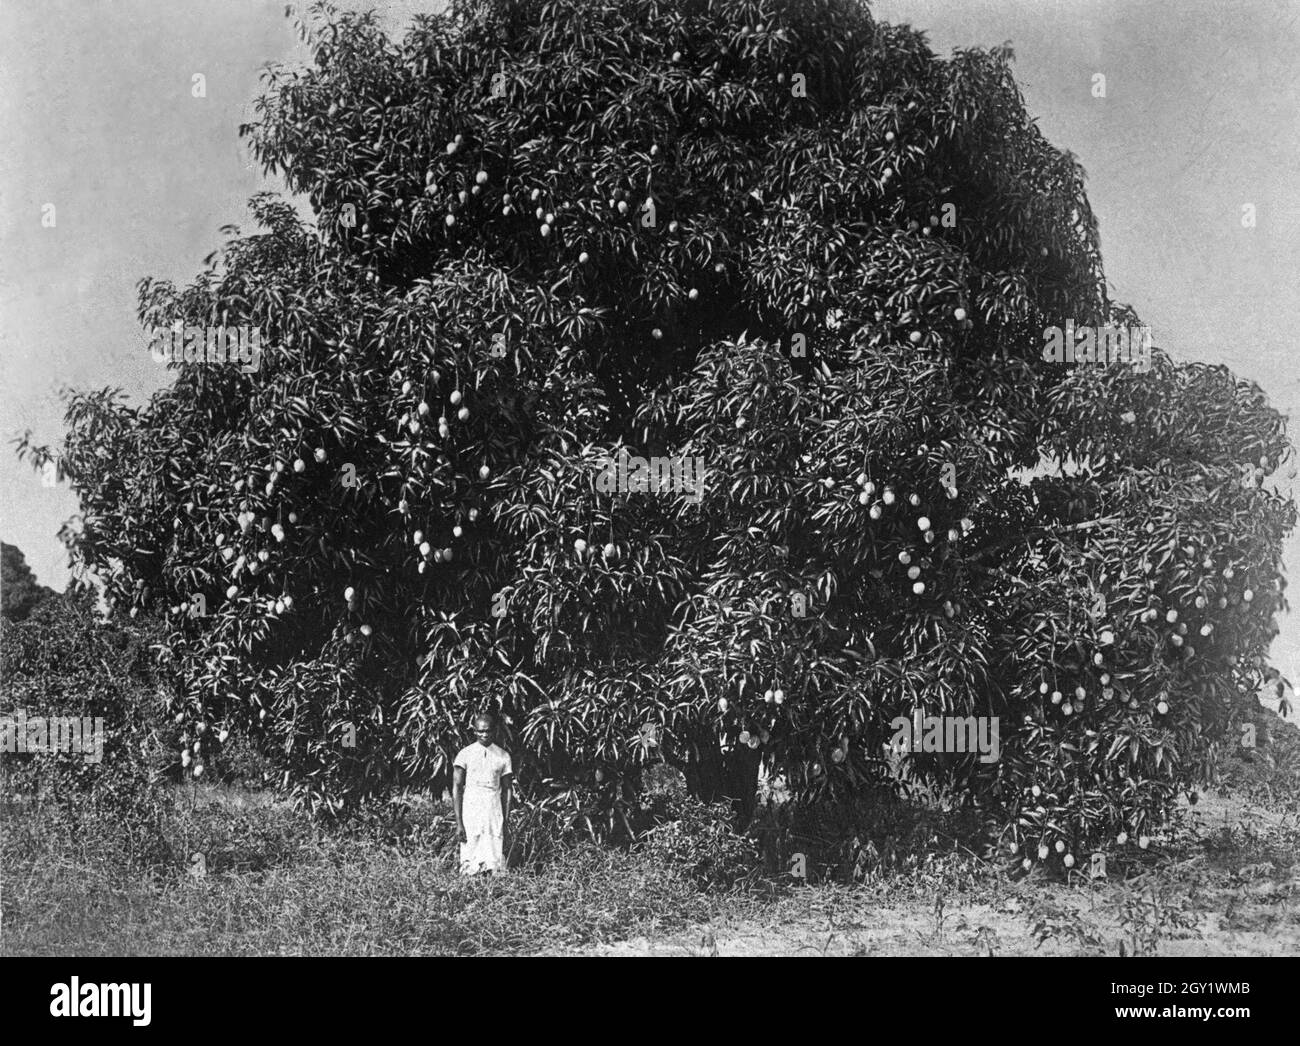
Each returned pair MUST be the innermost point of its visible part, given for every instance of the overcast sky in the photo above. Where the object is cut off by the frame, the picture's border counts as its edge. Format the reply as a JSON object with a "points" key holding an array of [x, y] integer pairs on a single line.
{"points": [[97, 118]]}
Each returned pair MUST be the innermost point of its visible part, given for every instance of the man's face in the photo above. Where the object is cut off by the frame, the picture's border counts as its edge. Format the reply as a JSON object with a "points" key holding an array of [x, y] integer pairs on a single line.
{"points": [[483, 730]]}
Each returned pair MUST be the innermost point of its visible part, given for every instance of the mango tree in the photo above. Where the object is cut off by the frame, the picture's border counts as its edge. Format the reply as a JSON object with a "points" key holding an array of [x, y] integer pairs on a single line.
{"points": [[781, 239]]}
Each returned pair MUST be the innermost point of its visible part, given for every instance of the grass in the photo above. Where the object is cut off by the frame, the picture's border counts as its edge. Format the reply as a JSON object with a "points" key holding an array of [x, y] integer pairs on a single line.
{"points": [[292, 890], [885, 879]]}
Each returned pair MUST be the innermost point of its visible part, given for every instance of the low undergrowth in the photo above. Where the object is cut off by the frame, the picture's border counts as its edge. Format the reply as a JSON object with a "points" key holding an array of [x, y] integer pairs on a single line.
{"points": [[221, 869]]}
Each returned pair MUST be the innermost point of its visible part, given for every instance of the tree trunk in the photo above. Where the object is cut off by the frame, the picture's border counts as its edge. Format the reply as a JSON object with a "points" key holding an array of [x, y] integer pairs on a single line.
{"points": [[704, 774], [742, 783], [731, 777]]}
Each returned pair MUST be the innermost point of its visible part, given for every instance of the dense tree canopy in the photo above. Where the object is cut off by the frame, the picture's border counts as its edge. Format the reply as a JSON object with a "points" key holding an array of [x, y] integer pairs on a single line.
{"points": [[778, 236], [19, 590]]}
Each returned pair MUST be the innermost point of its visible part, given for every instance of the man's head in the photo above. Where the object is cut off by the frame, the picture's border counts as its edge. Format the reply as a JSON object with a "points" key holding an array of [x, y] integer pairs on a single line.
{"points": [[485, 728]]}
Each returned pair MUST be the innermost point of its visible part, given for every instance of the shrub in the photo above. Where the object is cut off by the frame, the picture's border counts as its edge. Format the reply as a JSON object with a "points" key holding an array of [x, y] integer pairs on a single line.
{"points": [[62, 661], [698, 841], [877, 837], [242, 838], [542, 828], [242, 762], [19, 591], [1268, 774]]}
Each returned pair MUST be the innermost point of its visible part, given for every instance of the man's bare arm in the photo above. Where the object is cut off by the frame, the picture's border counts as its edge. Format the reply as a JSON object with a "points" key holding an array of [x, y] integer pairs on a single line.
{"points": [[457, 799]]}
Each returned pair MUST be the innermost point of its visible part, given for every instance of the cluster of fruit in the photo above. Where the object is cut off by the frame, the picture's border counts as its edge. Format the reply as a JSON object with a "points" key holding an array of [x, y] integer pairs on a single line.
{"points": [[548, 214], [752, 735], [1078, 700], [252, 560], [581, 548], [1177, 633], [509, 203], [888, 498], [430, 554], [462, 197], [770, 697], [1209, 591], [192, 753], [412, 421], [1044, 852], [916, 336], [890, 137], [350, 597], [1254, 475], [1034, 794]]}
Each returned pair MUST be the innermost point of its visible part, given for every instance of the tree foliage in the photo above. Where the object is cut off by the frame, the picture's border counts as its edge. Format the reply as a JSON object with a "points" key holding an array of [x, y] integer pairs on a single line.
{"points": [[20, 592], [484, 310], [64, 662]]}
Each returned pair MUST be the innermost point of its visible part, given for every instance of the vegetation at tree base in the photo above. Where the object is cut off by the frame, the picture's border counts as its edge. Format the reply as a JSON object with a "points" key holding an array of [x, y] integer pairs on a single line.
{"points": [[19, 589], [64, 662], [443, 376]]}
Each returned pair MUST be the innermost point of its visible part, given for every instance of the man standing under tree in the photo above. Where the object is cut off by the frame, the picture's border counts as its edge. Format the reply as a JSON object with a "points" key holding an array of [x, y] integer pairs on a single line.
{"points": [[481, 794]]}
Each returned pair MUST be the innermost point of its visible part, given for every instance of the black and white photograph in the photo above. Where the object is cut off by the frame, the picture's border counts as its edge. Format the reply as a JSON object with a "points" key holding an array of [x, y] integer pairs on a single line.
{"points": [[629, 478]]}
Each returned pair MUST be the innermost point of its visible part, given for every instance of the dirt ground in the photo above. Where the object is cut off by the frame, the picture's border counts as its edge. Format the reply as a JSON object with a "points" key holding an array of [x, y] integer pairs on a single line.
{"points": [[973, 929], [1230, 906]]}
